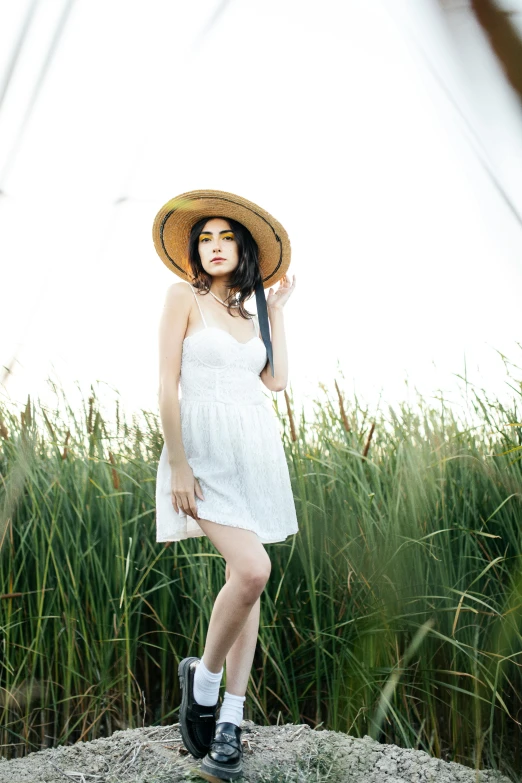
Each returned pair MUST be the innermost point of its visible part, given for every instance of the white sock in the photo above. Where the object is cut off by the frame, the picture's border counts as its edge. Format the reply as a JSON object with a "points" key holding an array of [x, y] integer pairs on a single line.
{"points": [[206, 685], [231, 709]]}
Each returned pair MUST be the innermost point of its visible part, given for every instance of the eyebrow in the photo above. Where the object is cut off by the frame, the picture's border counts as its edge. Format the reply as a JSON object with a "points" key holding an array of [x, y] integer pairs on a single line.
{"points": [[226, 231]]}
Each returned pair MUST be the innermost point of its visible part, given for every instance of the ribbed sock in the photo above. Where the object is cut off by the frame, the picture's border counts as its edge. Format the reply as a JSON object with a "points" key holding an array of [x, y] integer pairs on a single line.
{"points": [[206, 685], [231, 709]]}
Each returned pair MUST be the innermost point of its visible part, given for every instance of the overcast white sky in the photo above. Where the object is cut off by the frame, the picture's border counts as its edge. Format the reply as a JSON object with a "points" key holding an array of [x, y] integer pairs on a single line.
{"points": [[360, 126]]}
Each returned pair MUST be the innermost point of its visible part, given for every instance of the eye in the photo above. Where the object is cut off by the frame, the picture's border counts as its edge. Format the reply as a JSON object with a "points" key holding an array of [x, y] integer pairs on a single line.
{"points": [[204, 239], [229, 236]]}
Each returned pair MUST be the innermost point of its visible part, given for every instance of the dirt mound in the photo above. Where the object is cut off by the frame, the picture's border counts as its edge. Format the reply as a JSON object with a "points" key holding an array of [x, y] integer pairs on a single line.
{"points": [[272, 754]]}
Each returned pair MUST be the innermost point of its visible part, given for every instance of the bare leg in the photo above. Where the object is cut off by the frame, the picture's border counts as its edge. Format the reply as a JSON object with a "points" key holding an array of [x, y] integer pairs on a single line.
{"points": [[241, 655], [249, 569]]}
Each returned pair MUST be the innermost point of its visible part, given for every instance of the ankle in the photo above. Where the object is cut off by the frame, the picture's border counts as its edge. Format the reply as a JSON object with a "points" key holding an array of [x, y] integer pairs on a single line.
{"points": [[231, 710], [211, 669], [206, 685]]}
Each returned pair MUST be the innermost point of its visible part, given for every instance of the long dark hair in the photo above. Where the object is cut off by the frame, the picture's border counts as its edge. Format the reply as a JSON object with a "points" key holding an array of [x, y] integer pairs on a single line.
{"points": [[244, 277]]}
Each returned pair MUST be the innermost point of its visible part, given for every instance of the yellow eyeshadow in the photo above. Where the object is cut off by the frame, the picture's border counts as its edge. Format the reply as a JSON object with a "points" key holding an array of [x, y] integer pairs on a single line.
{"points": [[230, 235]]}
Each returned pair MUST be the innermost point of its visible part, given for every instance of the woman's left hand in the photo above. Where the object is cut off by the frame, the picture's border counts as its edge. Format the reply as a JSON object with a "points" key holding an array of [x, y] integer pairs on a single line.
{"points": [[277, 299]]}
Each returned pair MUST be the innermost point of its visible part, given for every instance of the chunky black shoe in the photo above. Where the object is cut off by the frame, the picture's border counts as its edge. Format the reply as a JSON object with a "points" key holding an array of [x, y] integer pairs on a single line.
{"points": [[225, 757], [197, 723]]}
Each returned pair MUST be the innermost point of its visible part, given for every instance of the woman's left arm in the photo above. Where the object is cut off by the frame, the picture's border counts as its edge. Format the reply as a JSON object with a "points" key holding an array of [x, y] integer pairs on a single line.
{"points": [[276, 300]]}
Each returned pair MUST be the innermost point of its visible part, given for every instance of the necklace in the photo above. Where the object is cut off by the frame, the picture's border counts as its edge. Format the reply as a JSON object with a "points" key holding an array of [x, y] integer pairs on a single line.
{"points": [[220, 300]]}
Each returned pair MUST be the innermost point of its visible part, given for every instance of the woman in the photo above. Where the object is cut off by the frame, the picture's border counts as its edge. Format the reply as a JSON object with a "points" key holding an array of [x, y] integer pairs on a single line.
{"points": [[222, 471]]}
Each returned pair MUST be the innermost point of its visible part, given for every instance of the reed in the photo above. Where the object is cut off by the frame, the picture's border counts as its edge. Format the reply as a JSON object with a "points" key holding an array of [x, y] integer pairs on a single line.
{"points": [[395, 612]]}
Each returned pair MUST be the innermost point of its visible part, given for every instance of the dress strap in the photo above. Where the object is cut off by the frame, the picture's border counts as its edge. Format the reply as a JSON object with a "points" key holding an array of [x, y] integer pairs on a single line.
{"points": [[196, 298], [254, 323]]}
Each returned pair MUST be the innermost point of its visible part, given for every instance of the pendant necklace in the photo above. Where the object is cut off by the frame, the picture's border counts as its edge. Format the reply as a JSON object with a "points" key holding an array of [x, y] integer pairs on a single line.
{"points": [[220, 300]]}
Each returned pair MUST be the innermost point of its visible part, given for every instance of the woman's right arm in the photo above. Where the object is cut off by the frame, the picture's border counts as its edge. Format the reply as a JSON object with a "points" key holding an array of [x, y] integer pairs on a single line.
{"points": [[173, 325]]}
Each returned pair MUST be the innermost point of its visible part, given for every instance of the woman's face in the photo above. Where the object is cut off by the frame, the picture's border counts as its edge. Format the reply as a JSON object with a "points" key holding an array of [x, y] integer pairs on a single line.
{"points": [[217, 240]]}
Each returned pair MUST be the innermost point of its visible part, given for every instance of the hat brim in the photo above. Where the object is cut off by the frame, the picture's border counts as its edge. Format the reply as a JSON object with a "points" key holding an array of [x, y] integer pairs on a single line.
{"points": [[173, 223]]}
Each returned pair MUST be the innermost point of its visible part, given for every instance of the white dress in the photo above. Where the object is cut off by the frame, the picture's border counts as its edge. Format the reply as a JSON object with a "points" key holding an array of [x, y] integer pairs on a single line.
{"points": [[231, 440]]}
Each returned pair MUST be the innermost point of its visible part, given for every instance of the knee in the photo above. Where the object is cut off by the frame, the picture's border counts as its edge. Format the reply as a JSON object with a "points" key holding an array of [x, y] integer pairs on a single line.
{"points": [[252, 579]]}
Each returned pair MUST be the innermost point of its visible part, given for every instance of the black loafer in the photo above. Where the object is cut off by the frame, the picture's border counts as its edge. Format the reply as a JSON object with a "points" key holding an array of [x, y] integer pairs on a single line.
{"points": [[197, 723], [225, 756]]}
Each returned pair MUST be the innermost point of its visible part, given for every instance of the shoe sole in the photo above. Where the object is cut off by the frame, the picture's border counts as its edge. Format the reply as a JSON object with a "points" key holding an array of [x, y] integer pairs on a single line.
{"points": [[197, 752], [222, 770]]}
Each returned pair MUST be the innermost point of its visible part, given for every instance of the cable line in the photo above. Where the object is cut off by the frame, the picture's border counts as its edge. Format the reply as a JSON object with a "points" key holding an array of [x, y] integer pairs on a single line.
{"points": [[479, 150], [11, 65], [36, 90]]}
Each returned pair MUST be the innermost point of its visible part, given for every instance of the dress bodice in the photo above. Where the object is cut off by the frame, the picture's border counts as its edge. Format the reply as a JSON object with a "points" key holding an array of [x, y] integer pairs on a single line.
{"points": [[216, 367]]}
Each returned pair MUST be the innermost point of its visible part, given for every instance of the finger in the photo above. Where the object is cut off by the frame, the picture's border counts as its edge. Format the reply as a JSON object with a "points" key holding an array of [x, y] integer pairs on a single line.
{"points": [[190, 505], [182, 504], [198, 489], [191, 510]]}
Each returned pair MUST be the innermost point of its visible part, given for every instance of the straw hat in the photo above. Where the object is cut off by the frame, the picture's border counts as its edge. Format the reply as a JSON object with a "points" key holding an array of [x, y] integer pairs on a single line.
{"points": [[174, 221]]}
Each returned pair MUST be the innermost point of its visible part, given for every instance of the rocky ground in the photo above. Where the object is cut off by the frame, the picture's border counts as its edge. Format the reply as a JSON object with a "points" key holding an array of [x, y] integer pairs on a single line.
{"points": [[272, 754]]}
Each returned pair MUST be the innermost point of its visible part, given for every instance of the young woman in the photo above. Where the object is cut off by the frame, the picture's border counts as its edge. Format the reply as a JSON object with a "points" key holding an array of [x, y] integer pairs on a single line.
{"points": [[222, 471]]}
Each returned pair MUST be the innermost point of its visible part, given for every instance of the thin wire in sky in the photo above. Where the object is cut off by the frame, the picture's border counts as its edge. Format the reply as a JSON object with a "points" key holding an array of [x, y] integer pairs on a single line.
{"points": [[43, 72], [205, 30], [477, 147], [17, 48]]}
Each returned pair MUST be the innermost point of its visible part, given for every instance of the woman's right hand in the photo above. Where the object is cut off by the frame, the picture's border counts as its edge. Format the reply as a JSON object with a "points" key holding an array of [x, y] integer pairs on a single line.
{"points": [[184, 486]]}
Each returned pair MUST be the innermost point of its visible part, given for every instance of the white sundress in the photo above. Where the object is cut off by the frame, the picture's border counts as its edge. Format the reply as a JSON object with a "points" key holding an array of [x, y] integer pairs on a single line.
{"points": [[231, 439]]}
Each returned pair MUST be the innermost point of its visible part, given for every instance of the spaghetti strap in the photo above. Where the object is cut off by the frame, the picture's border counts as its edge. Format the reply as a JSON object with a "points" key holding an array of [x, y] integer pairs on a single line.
{"points": [[199, 306]]}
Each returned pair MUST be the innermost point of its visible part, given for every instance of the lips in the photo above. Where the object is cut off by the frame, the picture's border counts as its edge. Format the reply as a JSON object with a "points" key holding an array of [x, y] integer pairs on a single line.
{"points": [[217, 260]]}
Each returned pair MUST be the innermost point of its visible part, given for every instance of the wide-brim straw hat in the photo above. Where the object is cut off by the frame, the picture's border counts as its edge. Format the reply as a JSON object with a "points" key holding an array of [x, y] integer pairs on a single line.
{"points": [[173, 223]]}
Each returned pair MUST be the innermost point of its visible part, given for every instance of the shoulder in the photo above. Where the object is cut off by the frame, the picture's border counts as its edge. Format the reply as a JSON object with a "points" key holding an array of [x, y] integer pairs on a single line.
{"points": [[178, 300], [178, 292]]}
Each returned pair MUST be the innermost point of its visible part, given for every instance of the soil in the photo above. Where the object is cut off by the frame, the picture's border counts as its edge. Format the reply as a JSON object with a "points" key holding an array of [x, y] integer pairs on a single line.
{"points": [[272, 754]]}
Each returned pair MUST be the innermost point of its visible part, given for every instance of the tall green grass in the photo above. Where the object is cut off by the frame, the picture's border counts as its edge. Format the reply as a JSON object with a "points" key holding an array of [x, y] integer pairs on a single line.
{"points": [[396, 610]]}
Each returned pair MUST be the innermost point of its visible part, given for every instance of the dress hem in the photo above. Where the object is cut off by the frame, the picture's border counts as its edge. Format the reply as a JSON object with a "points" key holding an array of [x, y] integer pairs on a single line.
{"points": [[200, 535], [201, 532]]}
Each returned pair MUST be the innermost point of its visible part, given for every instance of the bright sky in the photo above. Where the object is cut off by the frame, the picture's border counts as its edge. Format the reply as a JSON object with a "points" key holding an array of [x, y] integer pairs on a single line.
{"points": [[360, 126]]}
